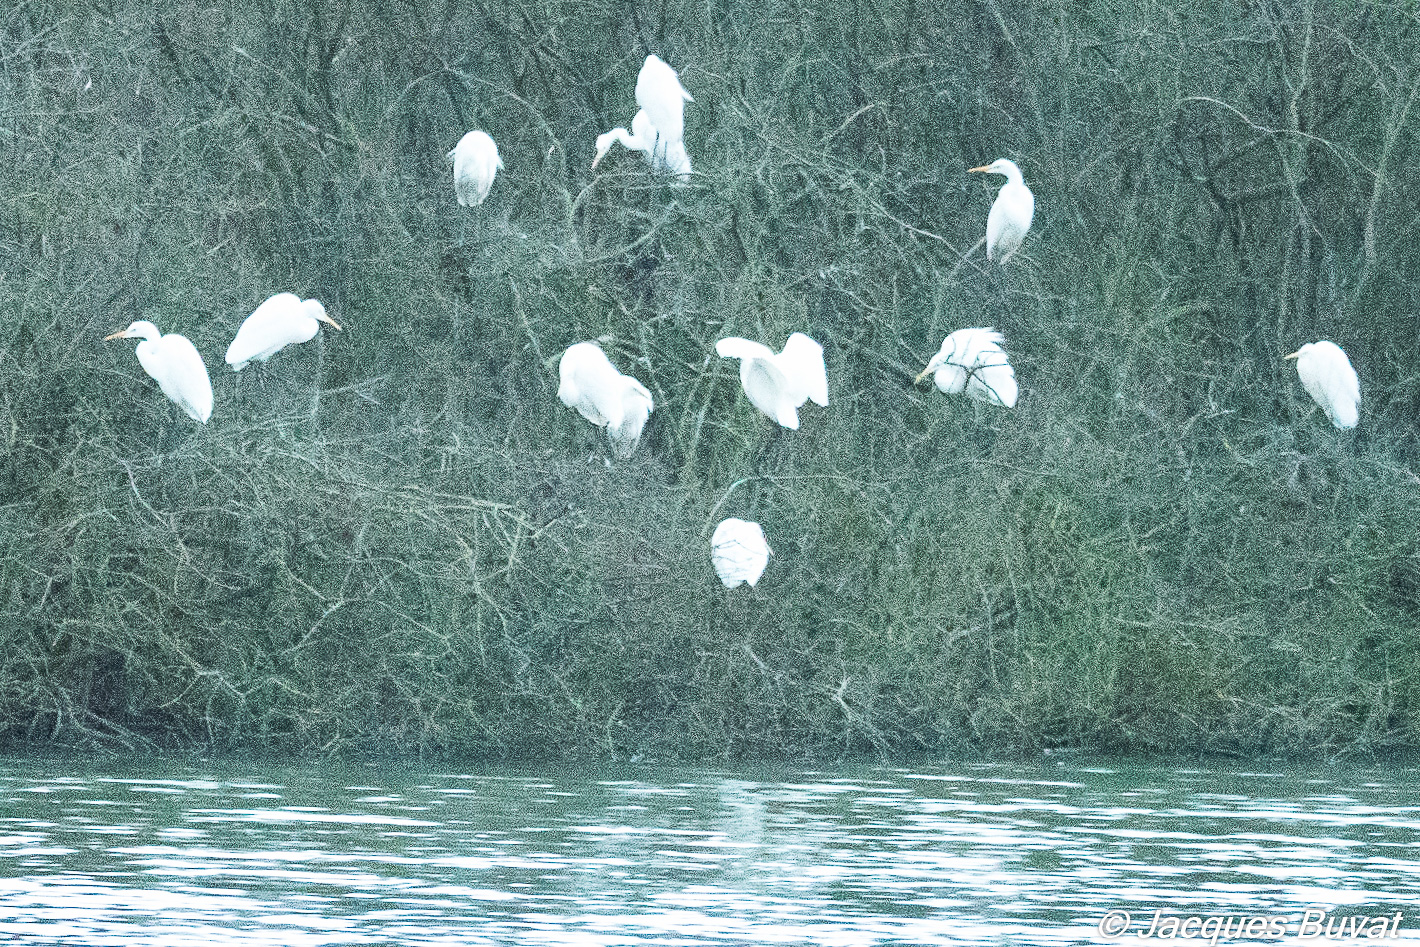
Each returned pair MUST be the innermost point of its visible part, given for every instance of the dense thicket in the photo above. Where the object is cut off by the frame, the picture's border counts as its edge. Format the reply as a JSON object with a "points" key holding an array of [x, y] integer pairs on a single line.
{"points": [[398, 540]]}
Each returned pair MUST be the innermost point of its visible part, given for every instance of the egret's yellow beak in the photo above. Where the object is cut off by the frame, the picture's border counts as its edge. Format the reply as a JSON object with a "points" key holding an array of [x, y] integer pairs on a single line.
{"points": [[925, 372], [120, 334], [1295, 354], [329, 321], [982, 168]]}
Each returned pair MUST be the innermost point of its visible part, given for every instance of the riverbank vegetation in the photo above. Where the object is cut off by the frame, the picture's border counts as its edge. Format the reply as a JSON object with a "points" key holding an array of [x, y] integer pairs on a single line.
{"points": [[396, 540]]}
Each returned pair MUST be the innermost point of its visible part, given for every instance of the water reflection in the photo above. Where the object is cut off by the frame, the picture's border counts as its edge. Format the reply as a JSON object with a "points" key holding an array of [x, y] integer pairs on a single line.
{"points": [[216, 854]]}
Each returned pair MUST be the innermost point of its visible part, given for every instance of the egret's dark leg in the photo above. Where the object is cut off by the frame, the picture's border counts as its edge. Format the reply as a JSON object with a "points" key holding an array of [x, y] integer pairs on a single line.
{"points": [[988, 430], [766, 443], [263, 381], [320, 374], [765, 457], [998, 279], [239, 392]]}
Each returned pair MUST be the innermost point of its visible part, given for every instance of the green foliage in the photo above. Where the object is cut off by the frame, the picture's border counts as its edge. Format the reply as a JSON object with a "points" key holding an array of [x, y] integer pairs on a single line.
{"points": [[395, 539]]}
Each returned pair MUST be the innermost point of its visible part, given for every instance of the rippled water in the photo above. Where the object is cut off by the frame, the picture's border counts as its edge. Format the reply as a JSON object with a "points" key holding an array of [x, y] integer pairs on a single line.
{"points": [[174, 854]]}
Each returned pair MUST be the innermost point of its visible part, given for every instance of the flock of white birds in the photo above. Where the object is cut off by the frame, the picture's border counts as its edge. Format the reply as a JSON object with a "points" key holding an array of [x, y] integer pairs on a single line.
{"points": [[971, 361], [175, 364]]}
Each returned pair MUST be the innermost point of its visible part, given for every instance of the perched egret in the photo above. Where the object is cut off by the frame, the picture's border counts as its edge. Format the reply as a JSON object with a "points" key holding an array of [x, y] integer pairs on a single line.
{"points": [[1011, 215], [661, 96], [601, 394], [642, 138], [284, 319], [739, 552], [1327, 375], [972, 360], [476, 162], [778, 384], [174, 363]]}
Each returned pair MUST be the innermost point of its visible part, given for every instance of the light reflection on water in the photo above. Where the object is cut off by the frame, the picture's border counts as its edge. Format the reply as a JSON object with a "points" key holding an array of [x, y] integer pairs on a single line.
{"points": [[209, 854]]}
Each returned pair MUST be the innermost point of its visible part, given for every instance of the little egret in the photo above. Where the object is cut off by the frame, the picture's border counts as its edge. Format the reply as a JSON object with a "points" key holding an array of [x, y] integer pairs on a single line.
{"points": [[662, 98], [972, 360], [1010, 215], [778, 384], [739, 552], [1327, 375], [284, 319], [590, 384], [476, 163], [174, 363]]}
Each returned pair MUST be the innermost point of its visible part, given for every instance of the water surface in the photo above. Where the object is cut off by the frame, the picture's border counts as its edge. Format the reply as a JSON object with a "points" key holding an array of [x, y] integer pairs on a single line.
{"points": [[169, 853]]}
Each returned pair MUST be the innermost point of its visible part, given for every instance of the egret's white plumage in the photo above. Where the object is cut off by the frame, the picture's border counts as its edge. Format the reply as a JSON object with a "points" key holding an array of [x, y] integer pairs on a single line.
{"points": [[778, 384], [589, 383], [662, 97], [174, 363], [670, 157], [642, 138], [1327, 375], [973, 360], [1011, 214], [284, 319], [476, 163], [739, 552]]}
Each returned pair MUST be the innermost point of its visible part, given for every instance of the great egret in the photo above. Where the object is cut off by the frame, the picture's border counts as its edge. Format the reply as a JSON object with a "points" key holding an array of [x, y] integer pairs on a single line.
{"points": [[1327, 375], [174, 363], [661, 96], [778, 384], [1011, 214], [739, 552], [601, 394], [642, 138], [284, 319], [972, 360], [476, 163]]}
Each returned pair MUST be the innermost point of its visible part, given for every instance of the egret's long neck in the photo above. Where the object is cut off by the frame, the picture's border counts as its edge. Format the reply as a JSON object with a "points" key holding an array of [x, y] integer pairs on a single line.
{"points": [[1014, 176], [631, 140]]}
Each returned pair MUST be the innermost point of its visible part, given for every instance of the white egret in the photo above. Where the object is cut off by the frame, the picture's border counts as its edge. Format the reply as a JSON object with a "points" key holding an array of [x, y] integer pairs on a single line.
{"points": [[476, 163], [1011, 214], [661, 96], [590, 384], [1327, 375], [174, 363], [642, 138], [972, 360], [778, 384], [284, 319], [739, 552]]}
